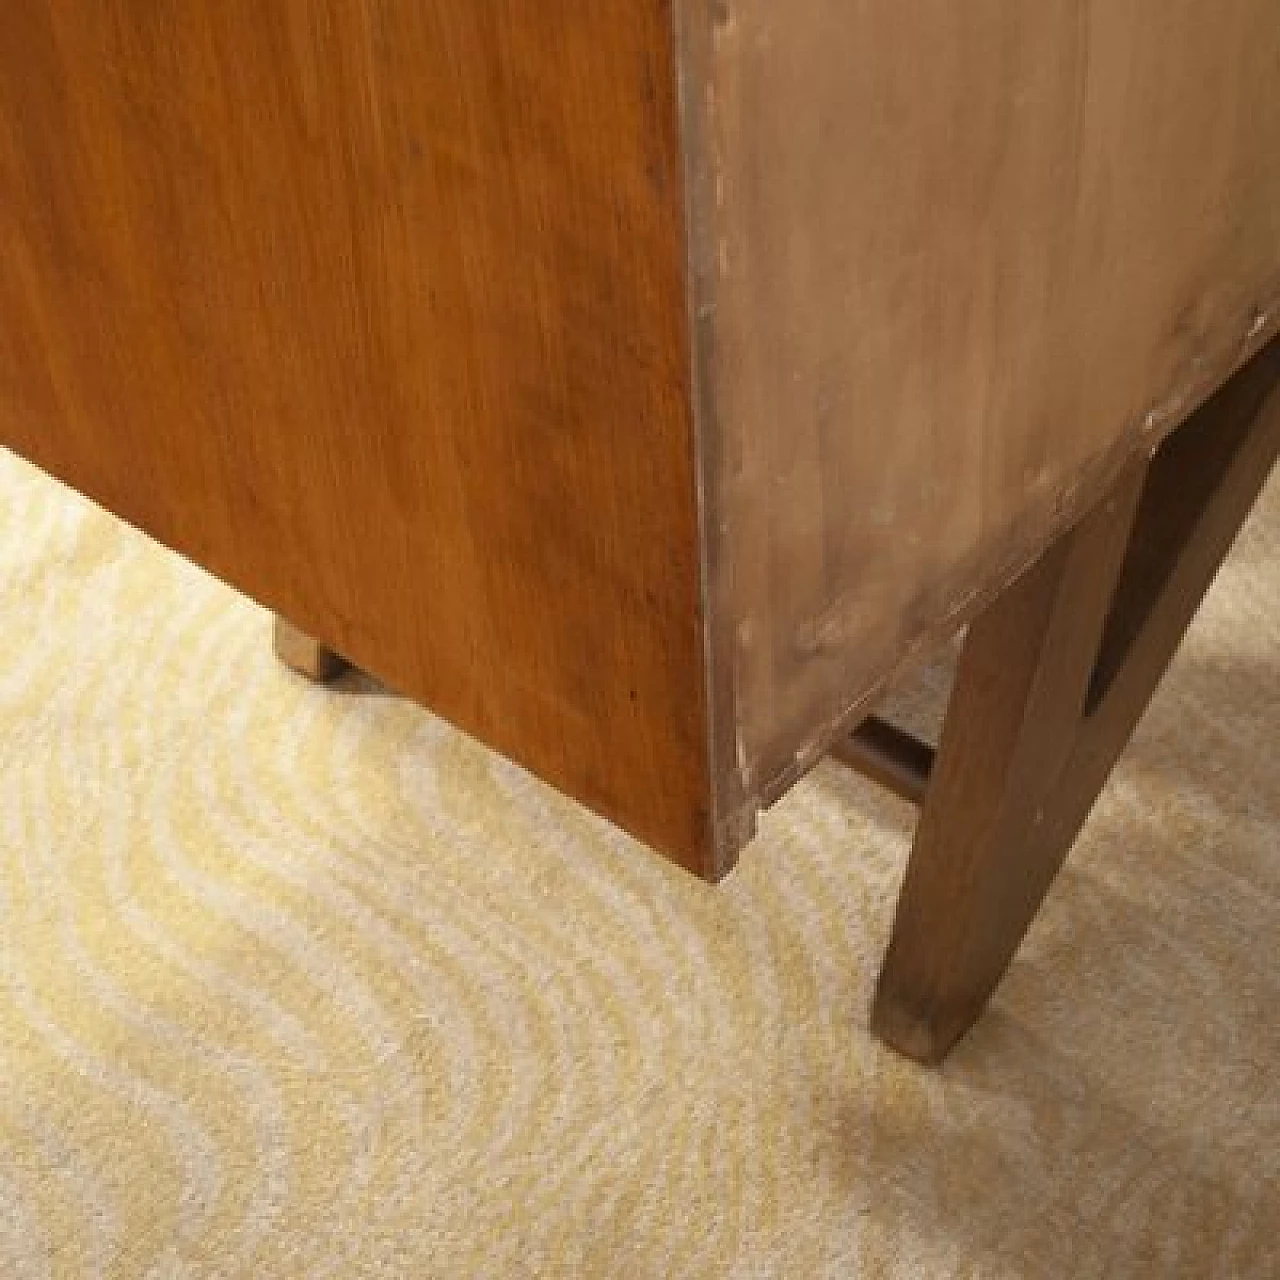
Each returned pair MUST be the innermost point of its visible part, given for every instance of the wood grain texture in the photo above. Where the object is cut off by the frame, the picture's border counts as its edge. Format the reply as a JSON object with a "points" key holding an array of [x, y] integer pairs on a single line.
{"points": [[970, 891], [955, 265], [377, 311], [641, 387], [1054, 679]]}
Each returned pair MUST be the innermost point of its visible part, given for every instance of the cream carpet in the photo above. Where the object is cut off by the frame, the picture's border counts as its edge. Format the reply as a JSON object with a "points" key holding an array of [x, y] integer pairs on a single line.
{"points": [[302, 983]]}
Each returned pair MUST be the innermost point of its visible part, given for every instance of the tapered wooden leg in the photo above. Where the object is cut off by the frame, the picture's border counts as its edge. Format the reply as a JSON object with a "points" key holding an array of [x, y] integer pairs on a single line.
{"points": [[1052, 682], [306, 656]]}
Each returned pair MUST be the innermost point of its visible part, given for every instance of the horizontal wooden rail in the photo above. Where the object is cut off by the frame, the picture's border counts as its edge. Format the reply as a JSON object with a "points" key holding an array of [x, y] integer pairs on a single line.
{"points": [[890, 756]]}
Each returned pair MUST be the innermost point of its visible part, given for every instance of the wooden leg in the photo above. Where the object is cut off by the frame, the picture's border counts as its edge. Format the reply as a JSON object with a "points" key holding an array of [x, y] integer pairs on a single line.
{"points": [[306, 656], [1052, 682]]}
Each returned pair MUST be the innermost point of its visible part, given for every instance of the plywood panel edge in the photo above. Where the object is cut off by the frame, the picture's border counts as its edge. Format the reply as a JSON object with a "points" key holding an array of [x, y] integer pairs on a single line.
{"points": [[734, 811]]}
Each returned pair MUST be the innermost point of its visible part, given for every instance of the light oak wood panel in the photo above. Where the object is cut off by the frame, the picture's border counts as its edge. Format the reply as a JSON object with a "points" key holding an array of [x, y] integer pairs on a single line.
{"points": [[955, 265], [376, 309]]}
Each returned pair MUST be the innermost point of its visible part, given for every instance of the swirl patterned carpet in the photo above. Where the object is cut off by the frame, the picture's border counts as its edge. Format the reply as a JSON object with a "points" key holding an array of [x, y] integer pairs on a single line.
{"points": [[302, 983]]}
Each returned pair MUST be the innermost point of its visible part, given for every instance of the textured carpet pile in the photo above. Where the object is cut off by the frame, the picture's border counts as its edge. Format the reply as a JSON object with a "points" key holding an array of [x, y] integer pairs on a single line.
{"points": [[297, 982]]}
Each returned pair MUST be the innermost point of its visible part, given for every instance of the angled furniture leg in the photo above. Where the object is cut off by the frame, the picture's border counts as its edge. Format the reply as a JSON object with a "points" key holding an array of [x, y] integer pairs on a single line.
{"points": [[1053, 680]]}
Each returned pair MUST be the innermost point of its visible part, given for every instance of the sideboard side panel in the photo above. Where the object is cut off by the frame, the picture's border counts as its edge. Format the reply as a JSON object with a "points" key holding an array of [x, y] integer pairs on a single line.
{"points": [[377, 311]]}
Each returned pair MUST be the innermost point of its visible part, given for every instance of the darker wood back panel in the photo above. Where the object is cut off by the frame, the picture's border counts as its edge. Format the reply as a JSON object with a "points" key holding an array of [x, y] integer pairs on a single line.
{"points": [[377, 311], [958, 263]]}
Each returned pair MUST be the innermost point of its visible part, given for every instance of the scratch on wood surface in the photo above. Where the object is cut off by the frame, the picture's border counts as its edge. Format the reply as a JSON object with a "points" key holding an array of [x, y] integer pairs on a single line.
{"points": [[1202, 370]]}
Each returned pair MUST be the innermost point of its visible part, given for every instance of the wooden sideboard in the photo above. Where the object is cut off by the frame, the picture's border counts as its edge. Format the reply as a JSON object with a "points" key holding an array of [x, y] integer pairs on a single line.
{"points": [[646, 387]]}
